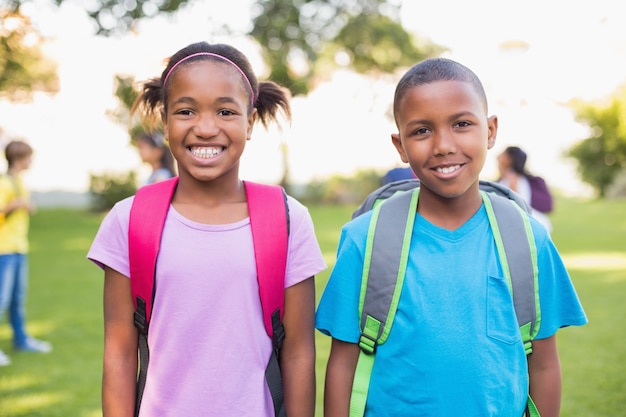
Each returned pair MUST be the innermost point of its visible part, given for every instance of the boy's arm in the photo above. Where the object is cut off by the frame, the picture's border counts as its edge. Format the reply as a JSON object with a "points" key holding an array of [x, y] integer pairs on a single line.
{"points": [[339, 377], [544, 371], [297, 355], [119, 375]]}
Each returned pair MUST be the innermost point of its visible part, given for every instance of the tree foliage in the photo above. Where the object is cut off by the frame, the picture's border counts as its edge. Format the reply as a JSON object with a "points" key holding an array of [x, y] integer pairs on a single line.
{"points": [[114, 16], [301, 39], [23, 66], [126, 93], [602, 156]]}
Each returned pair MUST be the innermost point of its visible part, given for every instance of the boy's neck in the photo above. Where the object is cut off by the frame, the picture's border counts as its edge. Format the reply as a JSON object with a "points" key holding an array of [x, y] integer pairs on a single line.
{"points": [[448, 213]]}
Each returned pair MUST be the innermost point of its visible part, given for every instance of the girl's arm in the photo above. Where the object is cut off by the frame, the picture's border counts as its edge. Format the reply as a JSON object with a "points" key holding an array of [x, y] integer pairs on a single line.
{"points": [[339, 378], [544, 371], [297, 356], [120, 347]]}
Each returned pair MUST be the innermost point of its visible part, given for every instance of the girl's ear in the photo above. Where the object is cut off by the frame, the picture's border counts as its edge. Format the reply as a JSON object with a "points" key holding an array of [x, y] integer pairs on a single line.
{"points": [[492, 126], [397, 142], [164, 121], [251, 121]]}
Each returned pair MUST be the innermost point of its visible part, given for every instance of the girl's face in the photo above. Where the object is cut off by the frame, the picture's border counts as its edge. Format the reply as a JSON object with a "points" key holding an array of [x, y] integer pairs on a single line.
{"points": [[207, 121], [444, 134]]}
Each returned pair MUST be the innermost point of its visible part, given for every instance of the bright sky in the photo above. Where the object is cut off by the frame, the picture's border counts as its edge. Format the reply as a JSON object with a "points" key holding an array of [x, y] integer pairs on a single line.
{"points": [[576, 49]]}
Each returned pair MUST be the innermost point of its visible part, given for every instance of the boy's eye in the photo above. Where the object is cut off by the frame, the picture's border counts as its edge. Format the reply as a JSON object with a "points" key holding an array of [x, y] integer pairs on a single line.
{"points": [[463, 124], [421, 131]]}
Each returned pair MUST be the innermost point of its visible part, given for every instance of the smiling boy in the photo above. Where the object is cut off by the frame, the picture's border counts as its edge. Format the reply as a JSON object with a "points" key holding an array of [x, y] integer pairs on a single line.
{"points": [[455, 346]]}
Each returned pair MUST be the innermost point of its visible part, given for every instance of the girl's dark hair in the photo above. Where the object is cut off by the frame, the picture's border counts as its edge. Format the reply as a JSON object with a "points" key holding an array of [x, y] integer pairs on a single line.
{"points": [[157, 140], [437, 69], [269, 97], [518, 159]]}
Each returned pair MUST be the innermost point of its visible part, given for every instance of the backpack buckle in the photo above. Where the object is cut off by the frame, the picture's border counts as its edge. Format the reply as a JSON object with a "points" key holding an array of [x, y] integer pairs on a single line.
{"points": [[278, 334], [367, 344], [141, 323]]}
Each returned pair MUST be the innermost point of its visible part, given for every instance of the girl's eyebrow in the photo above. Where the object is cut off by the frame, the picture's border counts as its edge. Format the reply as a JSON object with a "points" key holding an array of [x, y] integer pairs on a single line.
{"points": [[189, 99]]}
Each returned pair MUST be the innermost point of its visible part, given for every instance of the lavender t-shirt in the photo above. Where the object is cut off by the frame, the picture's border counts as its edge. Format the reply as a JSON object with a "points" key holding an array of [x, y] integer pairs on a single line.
{"points": [[208, 345]]}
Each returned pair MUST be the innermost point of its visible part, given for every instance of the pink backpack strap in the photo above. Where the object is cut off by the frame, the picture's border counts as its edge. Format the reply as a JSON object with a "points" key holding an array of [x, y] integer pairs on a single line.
{"points": [[269, 222], [147, 217]]}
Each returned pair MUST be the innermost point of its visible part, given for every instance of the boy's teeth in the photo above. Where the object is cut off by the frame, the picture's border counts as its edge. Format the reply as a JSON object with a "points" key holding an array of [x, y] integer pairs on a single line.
{"points": [[447, 170], [204, 152]]}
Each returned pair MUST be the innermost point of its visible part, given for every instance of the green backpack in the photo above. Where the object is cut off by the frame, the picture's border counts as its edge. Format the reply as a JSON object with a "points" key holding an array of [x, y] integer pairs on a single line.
{"points": [[394, 206]]}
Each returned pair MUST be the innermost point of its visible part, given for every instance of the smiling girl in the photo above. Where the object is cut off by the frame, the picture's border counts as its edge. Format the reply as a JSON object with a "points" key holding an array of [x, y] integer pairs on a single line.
{"points": [[208, 346]]}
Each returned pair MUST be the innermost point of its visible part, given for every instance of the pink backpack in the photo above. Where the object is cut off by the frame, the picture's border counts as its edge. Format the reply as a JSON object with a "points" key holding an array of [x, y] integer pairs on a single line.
{"points": [[269, 220]]}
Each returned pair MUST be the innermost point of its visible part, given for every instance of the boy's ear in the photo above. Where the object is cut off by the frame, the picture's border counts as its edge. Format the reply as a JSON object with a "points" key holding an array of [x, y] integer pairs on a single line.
{"points": [[492, 126], [397, 142]]}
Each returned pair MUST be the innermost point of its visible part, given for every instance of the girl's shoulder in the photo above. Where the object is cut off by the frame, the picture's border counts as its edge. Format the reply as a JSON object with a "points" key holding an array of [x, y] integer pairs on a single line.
{"points": [[120, 212]]}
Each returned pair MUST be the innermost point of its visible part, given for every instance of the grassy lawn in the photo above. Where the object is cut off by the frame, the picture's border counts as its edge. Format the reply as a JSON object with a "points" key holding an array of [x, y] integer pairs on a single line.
{"points": [[65, 307]]}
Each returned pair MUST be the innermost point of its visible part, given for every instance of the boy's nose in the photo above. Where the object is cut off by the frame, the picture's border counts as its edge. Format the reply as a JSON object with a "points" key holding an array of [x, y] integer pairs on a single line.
{"points": [[444, 143]]}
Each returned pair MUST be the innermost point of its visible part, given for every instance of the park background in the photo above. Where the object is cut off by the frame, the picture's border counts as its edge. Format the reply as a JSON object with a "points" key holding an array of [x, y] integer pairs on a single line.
{"points": [[533, 57], [568, 50]]}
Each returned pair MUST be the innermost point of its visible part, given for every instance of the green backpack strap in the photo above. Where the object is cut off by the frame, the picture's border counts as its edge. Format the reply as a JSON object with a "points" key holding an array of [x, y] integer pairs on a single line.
{"points": [[522, 273], [386, 256], [518, 262]]}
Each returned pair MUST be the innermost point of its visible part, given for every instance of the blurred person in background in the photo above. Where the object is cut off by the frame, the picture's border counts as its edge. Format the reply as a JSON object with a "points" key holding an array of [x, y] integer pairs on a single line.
{"points": [[15, 211], [154, 151], [513, 174]]}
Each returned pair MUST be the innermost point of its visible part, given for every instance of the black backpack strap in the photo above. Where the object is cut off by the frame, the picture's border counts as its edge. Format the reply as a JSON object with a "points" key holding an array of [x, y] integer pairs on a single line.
{"points": [[144, 355], [273, 374]]}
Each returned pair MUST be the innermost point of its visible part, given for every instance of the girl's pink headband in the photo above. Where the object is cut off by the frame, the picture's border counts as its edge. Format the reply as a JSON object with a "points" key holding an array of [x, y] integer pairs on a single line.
{"points": [[223, 58]]}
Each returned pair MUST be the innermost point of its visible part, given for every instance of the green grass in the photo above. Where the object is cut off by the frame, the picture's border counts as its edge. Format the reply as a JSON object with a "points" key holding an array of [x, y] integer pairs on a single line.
{"points": [[65, 307]]}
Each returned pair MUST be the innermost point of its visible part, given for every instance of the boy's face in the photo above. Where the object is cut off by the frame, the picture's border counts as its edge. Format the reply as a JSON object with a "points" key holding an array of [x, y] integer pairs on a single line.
{"points": [[444, 134]]}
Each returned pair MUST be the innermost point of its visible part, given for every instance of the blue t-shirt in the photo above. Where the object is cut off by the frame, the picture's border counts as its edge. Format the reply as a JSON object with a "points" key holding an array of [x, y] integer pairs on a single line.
{"points": [[455, 347]]}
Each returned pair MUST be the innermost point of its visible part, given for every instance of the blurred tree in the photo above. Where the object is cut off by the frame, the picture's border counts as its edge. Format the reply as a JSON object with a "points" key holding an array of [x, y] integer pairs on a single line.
{"points": [[301, 40], [114, 16], [602, 156], [23, 66], [126, 93], [306, 39]]}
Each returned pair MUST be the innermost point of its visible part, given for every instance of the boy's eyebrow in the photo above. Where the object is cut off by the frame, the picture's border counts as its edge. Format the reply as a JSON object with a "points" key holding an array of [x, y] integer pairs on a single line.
{"points": [[462, 114], [451, 117]]}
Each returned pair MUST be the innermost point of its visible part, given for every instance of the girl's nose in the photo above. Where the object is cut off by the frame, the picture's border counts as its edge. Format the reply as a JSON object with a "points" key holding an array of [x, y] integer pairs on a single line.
{"points": [[207, 126]]}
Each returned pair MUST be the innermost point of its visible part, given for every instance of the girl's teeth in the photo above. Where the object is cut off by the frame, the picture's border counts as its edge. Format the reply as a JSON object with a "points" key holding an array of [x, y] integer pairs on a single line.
{"points": [[205, 152]]}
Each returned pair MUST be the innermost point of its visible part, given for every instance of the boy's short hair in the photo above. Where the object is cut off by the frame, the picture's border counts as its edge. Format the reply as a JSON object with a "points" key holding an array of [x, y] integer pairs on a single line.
{"points": [[17, 149], [437, 69]]}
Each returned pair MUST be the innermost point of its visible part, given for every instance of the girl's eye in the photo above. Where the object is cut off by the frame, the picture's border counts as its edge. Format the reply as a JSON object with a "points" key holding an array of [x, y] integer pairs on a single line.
{"points": [[225, 112], [184, 112]]}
